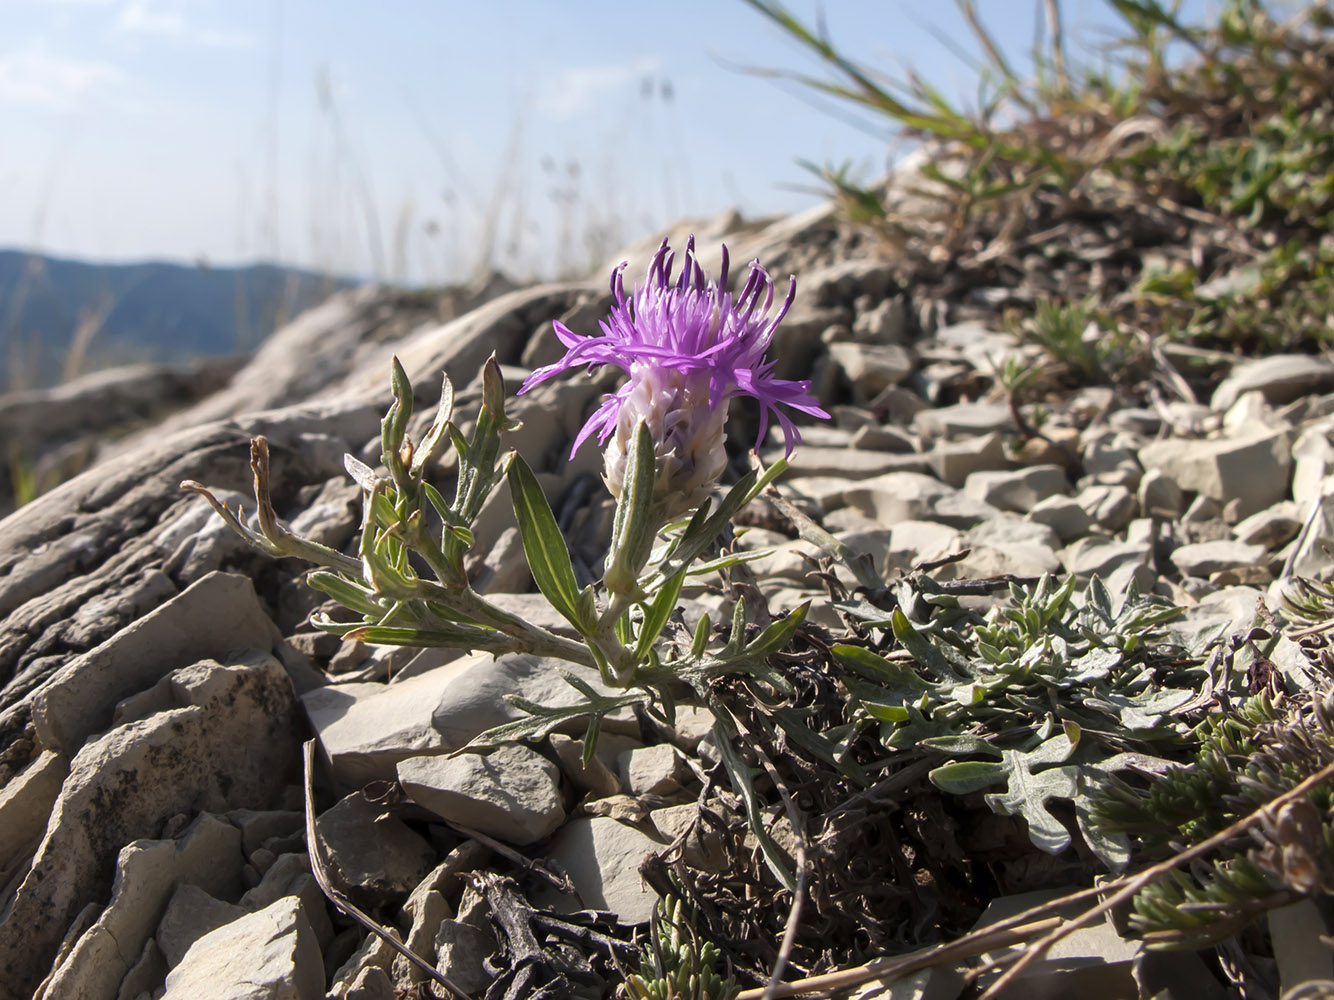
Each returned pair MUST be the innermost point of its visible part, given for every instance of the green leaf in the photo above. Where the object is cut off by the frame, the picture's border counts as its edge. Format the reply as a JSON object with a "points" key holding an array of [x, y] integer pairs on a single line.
{"points": [[874, 667], [921, 648], [777, 635], [450, 637], [632, 532], [543, 544], [1027, 789], [542, 720], [743, 783], [657, 613]]}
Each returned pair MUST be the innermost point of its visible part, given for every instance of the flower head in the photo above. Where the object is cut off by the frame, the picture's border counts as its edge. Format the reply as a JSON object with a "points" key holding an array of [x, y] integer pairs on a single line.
{"points": [[688, 346]]}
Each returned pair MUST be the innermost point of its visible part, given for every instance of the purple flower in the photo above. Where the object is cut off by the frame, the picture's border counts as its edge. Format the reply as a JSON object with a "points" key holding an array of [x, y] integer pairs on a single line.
{"points": [[688, 348]]}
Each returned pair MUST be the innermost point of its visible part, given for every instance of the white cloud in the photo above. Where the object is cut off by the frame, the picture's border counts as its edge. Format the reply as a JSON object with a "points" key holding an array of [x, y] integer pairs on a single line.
{"points": [[575, 90], [34, 75], [166, 19]]}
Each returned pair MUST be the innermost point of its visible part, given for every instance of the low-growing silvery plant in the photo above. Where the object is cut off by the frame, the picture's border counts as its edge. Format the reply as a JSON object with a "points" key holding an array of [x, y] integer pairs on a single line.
{"points": [[689, 346]]}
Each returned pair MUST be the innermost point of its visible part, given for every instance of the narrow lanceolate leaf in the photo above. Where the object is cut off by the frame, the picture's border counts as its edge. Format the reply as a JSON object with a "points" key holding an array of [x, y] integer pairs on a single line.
{"points": [[921, 648], [543, 544], [454, 637], [657, 613], [874, 667], [632, 532], [778, 634]]}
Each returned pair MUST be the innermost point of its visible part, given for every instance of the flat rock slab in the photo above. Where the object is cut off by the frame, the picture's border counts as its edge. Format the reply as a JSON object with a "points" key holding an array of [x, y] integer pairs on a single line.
{"points": [[216, 616], [366, 729], [602, 857], [1018, 491], [372, 852], [513, 793], [229, 744], [1280, 378], [1206, 558], [271, 954], [209, 855], [1250, 471]]}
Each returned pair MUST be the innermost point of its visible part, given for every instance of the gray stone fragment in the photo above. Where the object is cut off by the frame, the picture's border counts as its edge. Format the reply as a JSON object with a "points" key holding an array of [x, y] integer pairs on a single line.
{"points": [[1112, 507], [602, 857], [1280, 378], [512, 793], [366, 729], [1251, 470], [1271, 528], [1313, 462], [1063, 515], [870, 368], [230, 743], [213, 618], [461, 953], [882, 437], [851, 463], [883, 323], [954, 461], [594, 778], [146, 871], [271, 954], [1011, 529], [1159, 495], [191, 913], [965, 420], [1018, 491], [1102, 556], [371, 983], [429, 910], [25, 804], [1207, 558], [372, 852], [910, 496], [1022, 559], [259, 825], [146, 975], [654, 770]]}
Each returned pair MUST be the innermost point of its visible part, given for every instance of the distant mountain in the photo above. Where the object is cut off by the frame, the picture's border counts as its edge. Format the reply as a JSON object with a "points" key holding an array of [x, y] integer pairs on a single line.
{"points": [[56, 314]]}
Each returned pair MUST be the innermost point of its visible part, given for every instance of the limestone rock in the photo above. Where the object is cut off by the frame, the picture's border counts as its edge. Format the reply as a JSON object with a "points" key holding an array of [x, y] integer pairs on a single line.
{"points": [[1064, 515], [850, 463], [1280, 378], [655, 770], [1206, 558], [595, 778], [1271, 528], [512, 793], [602, 857], [870, 368], [271, 954], [954, 461], [461, 953], [1250, 470], [1112, 507], [1018, 491], [366, 729], [370, 851], [912, 496], [25, 804], [965, 420], [1159, 495], [216, 616], [208, 856], [191, 913], [228, 744]]}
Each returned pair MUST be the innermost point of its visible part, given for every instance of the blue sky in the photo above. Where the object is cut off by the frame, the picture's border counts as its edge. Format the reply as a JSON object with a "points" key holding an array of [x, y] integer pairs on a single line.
{"points": [[379, 139]]}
